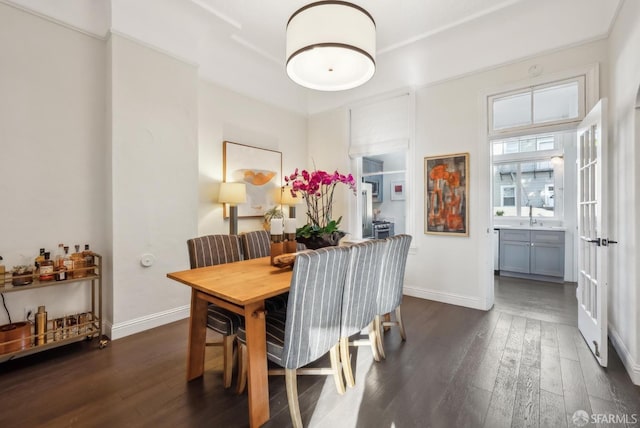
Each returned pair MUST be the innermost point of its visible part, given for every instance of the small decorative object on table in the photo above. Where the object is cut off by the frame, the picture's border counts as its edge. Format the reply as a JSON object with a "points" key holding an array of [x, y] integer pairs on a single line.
{"points": [[317, 187], [284, 260], [290, 244], [277, 244]]}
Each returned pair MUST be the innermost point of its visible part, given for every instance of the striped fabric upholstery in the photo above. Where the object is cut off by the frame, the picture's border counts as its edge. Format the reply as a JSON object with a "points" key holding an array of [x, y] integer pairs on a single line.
{"points": [[275, 335], [361, 286], [392, 281], [256, 244], [314, 308], [213, 250]]}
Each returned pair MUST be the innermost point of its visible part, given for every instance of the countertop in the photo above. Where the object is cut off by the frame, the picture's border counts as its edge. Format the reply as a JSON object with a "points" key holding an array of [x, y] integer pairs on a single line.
{"points": [[534, 227]]}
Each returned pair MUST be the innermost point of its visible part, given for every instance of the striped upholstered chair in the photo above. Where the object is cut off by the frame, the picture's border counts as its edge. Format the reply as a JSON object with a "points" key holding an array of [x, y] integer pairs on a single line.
{"points": [[214, 250], [308, 330], [391, 284], [255, 244], [359, 301]]}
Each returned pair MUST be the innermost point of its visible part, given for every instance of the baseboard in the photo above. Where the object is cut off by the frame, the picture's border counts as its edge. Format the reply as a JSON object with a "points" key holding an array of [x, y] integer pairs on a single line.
{"points": [[450, 298], [633, 368], [137, 325]]}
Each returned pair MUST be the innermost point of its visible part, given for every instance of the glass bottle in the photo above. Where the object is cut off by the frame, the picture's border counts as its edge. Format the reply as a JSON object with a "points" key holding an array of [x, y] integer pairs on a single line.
{"points": [[67, 262], [46, 268], [88, 258], [59, 256], [40, 258], [79, 263]]}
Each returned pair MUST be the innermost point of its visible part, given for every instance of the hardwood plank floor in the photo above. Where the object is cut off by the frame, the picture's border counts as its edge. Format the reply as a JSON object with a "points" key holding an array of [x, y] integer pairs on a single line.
{"points": [[523, 363]]}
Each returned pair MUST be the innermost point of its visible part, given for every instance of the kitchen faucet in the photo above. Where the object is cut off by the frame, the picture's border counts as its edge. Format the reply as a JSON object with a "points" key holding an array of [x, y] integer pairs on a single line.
{"points": [[531, 219]]}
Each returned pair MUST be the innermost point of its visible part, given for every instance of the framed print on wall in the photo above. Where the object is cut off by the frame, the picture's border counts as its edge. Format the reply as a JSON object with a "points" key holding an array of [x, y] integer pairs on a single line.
{"points": [[446, 182], [260, 169], [397, 190]]}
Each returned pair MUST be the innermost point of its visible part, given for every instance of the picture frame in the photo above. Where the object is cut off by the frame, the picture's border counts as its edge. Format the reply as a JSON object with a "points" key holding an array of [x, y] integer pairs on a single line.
{"points": [[446, 183], [260, 169], [397, 190]]}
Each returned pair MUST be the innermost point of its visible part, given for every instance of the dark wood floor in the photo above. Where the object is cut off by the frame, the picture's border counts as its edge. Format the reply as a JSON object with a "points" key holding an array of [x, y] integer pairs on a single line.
{"points": [[521, 364]]}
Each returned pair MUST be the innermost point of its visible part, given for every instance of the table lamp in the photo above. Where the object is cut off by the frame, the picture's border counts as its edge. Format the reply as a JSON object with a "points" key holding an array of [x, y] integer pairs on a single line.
{"points": [[288, 199], [233, 194]]}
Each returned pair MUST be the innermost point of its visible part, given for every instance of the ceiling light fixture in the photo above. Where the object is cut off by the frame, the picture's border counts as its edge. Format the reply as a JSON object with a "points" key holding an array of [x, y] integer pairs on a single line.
{"points": [[331, 46]]}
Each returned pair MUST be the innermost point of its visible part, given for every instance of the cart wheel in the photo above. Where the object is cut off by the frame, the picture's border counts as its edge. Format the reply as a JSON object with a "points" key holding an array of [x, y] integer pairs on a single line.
{"points": [[103, 343]]}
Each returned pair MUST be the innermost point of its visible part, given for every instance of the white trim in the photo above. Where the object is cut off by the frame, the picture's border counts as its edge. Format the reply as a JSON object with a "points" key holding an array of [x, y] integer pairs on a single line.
{"points": [[147, 322], [152, 47], [633, 367], [40, 15], [445, 297]]}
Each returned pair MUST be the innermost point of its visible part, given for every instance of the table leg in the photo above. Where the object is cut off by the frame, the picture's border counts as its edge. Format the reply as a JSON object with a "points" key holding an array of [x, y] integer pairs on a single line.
{"points": [[197, 336], [257, 364]]}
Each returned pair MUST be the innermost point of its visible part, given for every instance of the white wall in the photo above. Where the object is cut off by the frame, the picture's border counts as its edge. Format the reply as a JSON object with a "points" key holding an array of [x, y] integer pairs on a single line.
{"points": [[624, 187], [450, 119], [227, 115], [154, 178], [52, 124]]}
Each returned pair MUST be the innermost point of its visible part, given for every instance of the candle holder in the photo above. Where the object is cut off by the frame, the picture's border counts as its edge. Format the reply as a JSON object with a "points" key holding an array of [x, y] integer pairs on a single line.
{"points": [[290, 244], [277, 248]]}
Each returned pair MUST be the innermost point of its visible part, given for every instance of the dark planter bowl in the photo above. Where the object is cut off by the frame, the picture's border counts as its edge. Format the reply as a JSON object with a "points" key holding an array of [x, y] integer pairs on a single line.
{"points": [[321, 241]]}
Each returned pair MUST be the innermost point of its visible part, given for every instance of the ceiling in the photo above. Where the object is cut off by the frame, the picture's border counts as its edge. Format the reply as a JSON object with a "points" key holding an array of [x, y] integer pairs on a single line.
{"points": [[240, 44]]}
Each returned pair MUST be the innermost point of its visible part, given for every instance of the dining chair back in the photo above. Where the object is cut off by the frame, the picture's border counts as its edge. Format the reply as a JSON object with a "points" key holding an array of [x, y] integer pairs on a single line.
{"points": [[391, 285], [214, 250], [359, 301], [255, 244]]}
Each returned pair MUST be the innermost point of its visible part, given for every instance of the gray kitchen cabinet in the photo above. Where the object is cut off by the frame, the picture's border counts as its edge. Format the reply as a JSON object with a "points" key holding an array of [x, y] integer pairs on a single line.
{"points": [[515, 248], [547, 253], [534, 254]]}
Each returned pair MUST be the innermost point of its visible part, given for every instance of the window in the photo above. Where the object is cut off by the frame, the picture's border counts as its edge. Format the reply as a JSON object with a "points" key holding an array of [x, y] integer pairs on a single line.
{"points": [[553, 103], [526, 178]]}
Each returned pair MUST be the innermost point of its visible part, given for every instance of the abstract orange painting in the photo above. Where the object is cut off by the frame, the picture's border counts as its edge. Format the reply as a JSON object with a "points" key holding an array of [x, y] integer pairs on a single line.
{"points": [[446, 194]]}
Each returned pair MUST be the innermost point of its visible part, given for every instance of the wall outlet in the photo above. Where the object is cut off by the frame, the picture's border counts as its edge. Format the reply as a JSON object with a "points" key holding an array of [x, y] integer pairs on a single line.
{"points": [[29, 313]]}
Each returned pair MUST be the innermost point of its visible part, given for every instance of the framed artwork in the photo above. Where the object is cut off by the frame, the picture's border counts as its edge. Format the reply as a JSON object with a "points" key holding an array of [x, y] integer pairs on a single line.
{"points": [[260, 169], [397, 190], [446, 182]]}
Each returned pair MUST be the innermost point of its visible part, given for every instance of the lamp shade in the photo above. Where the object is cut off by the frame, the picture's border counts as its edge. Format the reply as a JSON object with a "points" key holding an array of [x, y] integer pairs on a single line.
{"points": [[331, 46], [232, 193], [288, 198]]}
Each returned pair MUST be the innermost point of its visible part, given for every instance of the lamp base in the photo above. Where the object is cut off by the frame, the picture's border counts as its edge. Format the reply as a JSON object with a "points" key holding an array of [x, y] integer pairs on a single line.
{"points": [[233, 219]]}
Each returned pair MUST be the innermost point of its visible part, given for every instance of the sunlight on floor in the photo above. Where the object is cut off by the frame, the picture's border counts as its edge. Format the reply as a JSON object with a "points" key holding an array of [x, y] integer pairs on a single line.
{"points": [[326, 401]]}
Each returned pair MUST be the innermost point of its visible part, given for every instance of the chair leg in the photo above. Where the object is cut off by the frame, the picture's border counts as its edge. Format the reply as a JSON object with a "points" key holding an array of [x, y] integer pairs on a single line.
{"points": [[346, 362], [373, 341], [227, 349], [242, 368], [292, 397], [387, 319], [379, 333], [403, 333], [334, 355]]}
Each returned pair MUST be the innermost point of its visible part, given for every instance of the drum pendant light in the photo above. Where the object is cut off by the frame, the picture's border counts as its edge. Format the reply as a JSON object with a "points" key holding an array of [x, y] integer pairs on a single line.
{"points": [[331, 46]]}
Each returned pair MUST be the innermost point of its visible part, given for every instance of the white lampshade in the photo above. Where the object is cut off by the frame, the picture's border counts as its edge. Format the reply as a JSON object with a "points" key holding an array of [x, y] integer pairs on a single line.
{"points": [[288, 198], [232, 193], [331, 46]]}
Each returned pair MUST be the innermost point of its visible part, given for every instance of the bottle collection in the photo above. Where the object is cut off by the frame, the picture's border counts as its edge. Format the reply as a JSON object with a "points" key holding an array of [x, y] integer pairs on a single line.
{"points": [[47, 331], [64, 265]]}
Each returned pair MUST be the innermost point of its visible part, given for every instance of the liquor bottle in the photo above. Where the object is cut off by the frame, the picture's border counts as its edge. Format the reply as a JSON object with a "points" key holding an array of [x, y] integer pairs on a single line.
{"points": [[88, 258], [41, 325], [46, 268], [39, 259], [58, 259], [67, 262], [79, 263]]}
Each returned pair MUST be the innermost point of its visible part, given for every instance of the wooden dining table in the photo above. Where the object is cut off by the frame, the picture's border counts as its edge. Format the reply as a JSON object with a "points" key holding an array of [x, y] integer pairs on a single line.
{"points": [[240, 287]]}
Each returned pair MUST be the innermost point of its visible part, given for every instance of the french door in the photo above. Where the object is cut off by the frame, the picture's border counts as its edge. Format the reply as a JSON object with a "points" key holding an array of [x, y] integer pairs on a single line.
{"points": [[592, 221]]}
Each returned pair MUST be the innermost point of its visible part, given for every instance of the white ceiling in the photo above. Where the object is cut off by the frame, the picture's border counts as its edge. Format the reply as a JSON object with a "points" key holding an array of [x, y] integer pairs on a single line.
{"points": [[240, 43]]}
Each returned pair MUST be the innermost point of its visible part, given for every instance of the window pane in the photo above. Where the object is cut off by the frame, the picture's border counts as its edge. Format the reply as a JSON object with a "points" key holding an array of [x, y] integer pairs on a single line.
{"points": [[512, 111], [504, 190], [555, 103], [537, 181]]}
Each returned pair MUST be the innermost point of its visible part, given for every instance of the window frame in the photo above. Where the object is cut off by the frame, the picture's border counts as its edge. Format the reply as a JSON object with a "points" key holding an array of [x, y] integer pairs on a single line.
{"points": [[532, 126]]}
